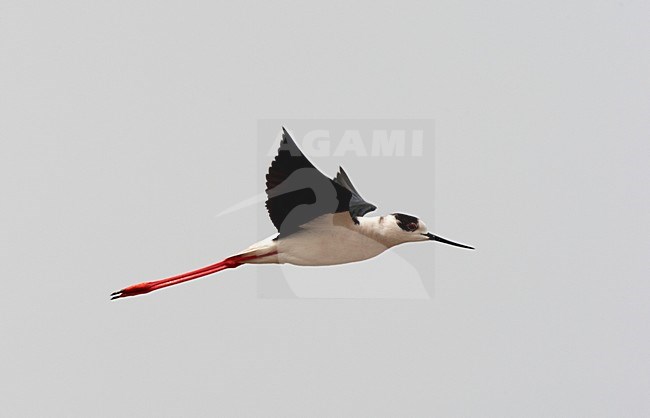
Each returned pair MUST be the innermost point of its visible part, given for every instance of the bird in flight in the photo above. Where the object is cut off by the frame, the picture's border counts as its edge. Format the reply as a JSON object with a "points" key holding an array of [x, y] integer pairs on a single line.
{"points": [[320, 222]]}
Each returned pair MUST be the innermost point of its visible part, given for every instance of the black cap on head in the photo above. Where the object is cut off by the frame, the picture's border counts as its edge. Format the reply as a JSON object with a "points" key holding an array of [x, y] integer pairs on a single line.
{"points": [[407, 222]]}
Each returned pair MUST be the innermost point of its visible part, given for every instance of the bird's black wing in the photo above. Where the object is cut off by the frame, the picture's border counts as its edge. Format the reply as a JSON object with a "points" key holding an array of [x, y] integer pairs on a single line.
{"points": [[357, 206], [297, 192]]}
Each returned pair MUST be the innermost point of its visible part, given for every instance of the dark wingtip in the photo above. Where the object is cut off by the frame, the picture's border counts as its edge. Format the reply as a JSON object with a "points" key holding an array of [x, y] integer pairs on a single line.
{"points": [[286, 137]]}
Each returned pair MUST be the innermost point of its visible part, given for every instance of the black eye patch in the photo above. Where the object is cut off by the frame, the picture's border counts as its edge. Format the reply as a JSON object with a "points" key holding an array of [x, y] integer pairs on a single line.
{"points": [[407, 222]]}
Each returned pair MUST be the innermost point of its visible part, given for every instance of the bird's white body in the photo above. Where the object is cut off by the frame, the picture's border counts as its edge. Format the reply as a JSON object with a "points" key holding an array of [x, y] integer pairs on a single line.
{"points": [[329, 240]]}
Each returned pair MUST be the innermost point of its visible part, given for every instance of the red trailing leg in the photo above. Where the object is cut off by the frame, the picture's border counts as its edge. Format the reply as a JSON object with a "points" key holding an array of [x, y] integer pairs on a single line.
{"points": [[146, 287]]}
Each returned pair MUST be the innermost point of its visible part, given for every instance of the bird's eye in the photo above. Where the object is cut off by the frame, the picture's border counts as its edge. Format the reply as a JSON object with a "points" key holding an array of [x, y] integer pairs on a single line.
{"points": [[412, 226]]}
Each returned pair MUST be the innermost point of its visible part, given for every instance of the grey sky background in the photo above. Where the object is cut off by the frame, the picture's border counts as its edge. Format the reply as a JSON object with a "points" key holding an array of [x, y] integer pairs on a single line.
{"points": [[127, 126]]}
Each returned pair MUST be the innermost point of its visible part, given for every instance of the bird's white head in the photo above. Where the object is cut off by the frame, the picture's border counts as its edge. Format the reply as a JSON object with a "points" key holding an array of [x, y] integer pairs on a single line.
{"points": [[401, 228]]}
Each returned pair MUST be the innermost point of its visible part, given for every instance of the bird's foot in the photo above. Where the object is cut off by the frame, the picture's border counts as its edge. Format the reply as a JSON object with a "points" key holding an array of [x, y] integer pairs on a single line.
{"points": [[136, 289]]}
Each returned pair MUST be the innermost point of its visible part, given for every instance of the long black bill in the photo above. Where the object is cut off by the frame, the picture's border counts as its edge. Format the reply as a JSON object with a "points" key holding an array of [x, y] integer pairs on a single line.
{"points": [[446, 241]]}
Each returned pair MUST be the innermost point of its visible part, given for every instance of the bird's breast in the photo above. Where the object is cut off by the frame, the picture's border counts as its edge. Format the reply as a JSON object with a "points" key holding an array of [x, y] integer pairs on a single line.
{"points": [[323, 247]]}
